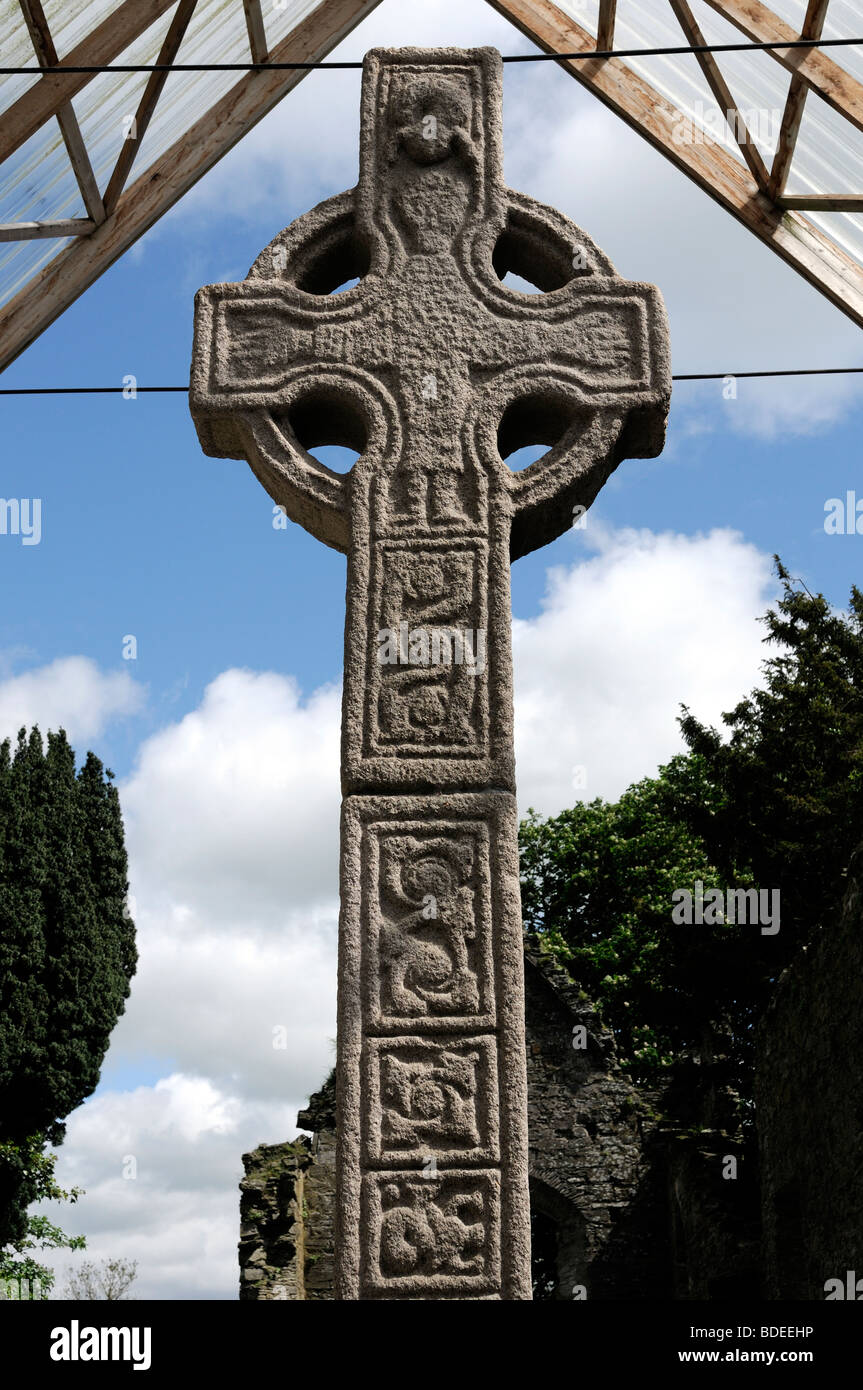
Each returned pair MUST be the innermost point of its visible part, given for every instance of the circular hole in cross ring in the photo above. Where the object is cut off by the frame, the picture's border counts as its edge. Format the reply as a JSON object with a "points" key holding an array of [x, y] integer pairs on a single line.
{"points": [[329, 425], [529, 257], [334, 264], [531, 425]]}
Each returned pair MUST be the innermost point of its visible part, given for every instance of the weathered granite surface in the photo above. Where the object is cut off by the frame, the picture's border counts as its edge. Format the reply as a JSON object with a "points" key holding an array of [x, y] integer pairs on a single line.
{"points": [[435, 372]]}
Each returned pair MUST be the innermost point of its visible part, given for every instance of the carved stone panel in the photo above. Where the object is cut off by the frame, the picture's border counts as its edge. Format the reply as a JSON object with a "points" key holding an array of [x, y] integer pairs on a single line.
{"points": [[433, 1101], [432, 1087], [432, 1236], [428, 919], [427, 683]]}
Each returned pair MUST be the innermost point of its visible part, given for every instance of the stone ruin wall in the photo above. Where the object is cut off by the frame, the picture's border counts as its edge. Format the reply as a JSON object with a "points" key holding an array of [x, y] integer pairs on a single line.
{"points": [[809, 1100], [287, 1206]]}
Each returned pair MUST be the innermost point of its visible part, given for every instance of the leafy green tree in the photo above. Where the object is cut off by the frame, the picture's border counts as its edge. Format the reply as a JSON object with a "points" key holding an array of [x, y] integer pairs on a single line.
{"points": [[597, 885], [778, 805], [784, 802], [67, 949], [21, 1276]]}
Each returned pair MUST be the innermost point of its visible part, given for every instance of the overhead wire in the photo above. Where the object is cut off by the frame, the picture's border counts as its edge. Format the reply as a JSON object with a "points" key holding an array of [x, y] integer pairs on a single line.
{"points": [[583, 55], [156, 390]]}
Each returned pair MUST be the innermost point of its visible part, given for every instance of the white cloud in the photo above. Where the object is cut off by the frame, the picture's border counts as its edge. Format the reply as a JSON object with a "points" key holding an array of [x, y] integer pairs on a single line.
{"points": [[72, 693], [625, 636], [232, 823], [233, 812], [176, 1210]]}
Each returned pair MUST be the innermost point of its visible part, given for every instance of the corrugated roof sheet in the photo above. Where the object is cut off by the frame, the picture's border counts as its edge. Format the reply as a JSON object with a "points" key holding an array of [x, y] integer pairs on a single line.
{"points": [[828, 156], [37, 183]]}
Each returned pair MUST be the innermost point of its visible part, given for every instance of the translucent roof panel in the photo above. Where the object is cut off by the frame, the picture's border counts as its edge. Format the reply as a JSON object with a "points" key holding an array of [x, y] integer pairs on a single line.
{"points": [[828, 157], [37, 183], [845, 21]]}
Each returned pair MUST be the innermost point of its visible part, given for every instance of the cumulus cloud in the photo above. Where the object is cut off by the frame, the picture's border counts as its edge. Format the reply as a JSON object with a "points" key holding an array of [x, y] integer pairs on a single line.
{"points": [[626, 635], [233, 812], [70, 693], [232, 823], [160, 1165]]}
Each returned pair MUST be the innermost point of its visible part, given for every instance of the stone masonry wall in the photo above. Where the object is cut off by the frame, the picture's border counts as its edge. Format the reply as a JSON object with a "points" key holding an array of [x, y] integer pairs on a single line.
{"points": [[809, 1098], [588, 1130], [271, 1221]]}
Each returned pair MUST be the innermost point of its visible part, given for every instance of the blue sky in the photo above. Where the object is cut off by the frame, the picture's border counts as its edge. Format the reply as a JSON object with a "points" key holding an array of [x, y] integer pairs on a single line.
{"points": [[223, 732]]}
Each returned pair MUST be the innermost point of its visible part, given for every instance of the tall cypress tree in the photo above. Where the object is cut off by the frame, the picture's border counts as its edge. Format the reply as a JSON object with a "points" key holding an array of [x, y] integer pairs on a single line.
{"points": [[67, 948]]}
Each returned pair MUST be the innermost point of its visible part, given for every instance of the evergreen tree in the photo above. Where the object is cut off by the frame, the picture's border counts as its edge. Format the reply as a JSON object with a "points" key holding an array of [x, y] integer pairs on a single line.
{"points": [[784, 802], [67, 948]]}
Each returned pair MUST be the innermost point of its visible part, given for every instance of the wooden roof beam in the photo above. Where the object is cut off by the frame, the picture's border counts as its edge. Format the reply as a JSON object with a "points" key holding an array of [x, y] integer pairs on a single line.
{"points": [[257, 34], [43, 44], [717, 172], [605, 25], [823, 202], [832, 83], [813, 24], [161, 185], [105, 43], [147, 104], [62, 227], [720, 89]]}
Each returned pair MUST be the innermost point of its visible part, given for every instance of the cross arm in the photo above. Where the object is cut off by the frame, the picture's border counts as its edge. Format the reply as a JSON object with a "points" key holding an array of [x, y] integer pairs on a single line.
{"points": [[252, 386], [582, 366], [593, 381]]}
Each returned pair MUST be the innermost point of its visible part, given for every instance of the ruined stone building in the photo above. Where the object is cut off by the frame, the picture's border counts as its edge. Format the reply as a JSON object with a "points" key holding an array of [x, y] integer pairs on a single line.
{"points": [[638, 1194]]}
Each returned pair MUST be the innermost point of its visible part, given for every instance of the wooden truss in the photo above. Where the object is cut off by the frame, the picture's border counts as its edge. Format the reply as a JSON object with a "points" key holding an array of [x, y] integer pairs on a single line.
{"points": [[118, 215], [125, 213], [749, 191]]}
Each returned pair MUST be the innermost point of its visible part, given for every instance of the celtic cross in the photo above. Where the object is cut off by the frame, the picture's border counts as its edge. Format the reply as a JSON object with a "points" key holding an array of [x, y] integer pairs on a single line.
{"points": [[434, 371]]}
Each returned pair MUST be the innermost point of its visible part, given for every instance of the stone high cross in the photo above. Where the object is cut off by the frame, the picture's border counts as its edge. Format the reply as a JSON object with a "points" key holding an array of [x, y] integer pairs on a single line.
{"points": [[434, 371]]}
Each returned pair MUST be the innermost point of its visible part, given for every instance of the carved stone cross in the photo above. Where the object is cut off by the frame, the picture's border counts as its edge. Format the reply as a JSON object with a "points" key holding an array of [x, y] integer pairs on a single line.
{"points": [[434, 371]]}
